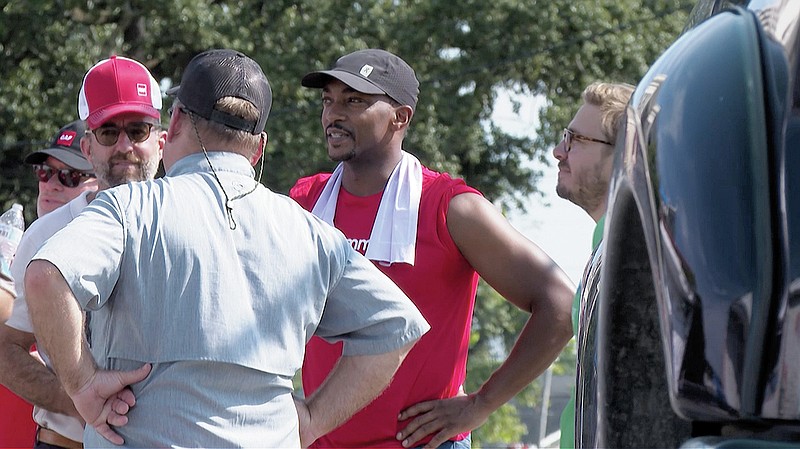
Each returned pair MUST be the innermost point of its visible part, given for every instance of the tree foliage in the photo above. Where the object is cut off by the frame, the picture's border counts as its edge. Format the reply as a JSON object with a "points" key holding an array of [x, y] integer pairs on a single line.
{"points": [[463, 52]]}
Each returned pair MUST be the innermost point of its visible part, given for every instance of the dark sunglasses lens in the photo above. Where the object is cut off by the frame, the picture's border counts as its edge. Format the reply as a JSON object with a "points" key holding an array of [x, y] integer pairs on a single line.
{"points": [[69, 178], [107, 135], [138, 132], [43, 174]]}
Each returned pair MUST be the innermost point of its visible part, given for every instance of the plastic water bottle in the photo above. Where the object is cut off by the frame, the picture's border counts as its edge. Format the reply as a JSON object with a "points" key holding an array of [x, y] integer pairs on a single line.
{"points": [[12, 224]]}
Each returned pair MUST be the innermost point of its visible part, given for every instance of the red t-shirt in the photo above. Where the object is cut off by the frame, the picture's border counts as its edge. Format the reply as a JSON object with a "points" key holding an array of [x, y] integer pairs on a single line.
{"points": [[441, 283], [17, 428]]}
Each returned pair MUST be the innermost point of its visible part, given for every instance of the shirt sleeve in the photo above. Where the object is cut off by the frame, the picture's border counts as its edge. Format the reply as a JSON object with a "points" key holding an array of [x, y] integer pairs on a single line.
{"points": [[88, 251], [368, 312]]}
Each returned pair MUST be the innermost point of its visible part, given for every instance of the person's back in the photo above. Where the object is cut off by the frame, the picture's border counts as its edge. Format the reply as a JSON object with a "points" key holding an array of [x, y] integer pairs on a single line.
{"points": [[216, 280]]}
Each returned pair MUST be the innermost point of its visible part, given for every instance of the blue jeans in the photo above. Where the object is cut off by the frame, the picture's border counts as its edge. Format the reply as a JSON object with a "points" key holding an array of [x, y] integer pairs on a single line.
{"points": [[466, 443]]}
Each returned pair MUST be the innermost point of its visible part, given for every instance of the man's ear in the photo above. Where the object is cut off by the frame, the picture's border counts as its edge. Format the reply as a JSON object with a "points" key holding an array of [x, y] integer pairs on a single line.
{"points": [[175, 124], [162, 140], [402, 116], [262, 143], [86, 148]]}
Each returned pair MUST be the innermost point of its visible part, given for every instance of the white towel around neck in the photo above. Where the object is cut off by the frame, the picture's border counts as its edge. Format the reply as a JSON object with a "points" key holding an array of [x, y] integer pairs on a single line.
{"points": [[394, 235]]}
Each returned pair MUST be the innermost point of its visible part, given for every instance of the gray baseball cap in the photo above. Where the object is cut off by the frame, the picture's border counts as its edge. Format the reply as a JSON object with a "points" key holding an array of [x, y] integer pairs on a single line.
{"points": [[66, 147], [371, 71]]}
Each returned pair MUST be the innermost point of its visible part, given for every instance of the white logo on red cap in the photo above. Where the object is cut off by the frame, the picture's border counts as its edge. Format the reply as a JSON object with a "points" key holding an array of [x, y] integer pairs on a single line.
{"points": [[66, 138], [366, 70], [141, 89]]}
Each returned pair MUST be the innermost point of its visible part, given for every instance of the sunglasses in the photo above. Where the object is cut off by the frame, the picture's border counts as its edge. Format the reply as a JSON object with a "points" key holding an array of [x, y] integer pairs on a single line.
{"points": [[67, 177], [570, 135], [137, 132]]}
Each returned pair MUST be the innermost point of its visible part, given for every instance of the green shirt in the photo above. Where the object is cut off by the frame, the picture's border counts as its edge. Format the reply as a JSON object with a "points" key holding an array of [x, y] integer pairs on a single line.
{"points": [[567, 422]]}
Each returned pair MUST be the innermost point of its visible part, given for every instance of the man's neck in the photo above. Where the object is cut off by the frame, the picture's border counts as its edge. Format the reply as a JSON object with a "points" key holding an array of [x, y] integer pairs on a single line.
{"points": [[599, 211], [368, 179]]}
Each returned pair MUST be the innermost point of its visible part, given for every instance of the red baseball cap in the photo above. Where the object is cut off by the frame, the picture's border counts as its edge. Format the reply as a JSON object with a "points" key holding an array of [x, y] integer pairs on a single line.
{"points": [[117, 85]]}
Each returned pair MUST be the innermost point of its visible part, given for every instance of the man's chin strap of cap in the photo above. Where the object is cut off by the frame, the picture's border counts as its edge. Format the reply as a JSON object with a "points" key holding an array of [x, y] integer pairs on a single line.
{"points": [[228, 206]]}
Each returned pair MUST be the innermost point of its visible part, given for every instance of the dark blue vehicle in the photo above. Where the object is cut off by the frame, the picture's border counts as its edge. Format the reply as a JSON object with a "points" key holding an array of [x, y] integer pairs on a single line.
{"points": [[690, 321]]}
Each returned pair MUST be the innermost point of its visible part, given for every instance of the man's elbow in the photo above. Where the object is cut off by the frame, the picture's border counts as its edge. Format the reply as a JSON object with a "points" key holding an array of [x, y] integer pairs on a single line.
{"points": [[403, 351], [38, 279], [563, 312], [556, 310], [392, 360]]}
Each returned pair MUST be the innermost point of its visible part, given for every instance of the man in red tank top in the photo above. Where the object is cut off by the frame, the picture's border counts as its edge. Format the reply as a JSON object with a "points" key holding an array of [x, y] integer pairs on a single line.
{"points": [[434, 236]]}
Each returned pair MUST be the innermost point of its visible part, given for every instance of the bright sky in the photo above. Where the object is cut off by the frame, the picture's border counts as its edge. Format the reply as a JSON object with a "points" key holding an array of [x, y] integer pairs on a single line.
{"points": [[562, 229]]}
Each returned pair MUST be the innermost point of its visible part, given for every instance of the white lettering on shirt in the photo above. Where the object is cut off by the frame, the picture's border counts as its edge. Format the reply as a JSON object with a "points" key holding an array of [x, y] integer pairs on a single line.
{"points": [[359, 245]]}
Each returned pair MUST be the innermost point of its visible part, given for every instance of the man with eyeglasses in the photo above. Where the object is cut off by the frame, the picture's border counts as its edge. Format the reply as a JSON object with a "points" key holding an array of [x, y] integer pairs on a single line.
{"points": [[119, 103], [62, 169], [63, 173], [585, 155]]}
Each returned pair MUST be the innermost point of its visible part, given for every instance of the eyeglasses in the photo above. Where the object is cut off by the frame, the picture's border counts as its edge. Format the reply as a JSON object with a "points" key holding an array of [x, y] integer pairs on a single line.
{"points": [[570, 135], [67, 177], [137, 132]]}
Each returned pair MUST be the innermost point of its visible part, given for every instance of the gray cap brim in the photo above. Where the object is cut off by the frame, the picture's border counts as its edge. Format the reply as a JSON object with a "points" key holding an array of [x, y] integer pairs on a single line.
{"points": [[320, 79], [68, 157]]}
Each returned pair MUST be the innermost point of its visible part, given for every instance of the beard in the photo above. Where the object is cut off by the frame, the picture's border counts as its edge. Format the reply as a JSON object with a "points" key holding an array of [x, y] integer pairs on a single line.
{"points": [[342, 157], [141, 170], [588, 191]]}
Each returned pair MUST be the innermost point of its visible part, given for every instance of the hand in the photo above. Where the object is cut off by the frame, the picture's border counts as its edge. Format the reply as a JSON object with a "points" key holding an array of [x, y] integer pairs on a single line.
{"points": [[304, 416], [105, 400], [444, 417]]}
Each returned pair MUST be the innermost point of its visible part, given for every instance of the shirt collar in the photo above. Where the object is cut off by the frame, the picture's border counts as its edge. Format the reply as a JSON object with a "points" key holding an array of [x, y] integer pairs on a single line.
{"points": [[597, 236], [223, 161]]}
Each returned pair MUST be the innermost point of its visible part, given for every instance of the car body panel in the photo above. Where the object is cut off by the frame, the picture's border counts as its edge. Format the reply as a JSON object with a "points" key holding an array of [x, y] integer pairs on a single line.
{"points": [[691, 324]]}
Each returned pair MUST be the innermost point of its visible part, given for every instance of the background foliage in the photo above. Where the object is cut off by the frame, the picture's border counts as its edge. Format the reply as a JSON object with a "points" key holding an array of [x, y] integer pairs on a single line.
{"points": [[463, 51]]}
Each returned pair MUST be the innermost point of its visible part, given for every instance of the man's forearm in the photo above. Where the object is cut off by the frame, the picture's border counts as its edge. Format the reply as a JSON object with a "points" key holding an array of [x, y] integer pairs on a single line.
{"points": [[541, 340], [27, 376], [351, 385], [58, 324]]}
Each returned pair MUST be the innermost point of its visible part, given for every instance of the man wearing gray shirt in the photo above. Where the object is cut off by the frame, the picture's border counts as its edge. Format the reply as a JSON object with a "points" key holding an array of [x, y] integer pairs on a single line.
{"points": [[204, 287]]}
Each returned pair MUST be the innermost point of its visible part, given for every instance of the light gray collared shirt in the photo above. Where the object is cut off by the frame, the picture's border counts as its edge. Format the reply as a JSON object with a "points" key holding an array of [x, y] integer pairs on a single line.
{"points": [[170, 283]]}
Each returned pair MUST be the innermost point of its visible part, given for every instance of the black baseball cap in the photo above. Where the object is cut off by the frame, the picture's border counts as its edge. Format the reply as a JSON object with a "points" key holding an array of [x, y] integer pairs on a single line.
{"points": [[371, 71], [219, 73], [66, 147]]}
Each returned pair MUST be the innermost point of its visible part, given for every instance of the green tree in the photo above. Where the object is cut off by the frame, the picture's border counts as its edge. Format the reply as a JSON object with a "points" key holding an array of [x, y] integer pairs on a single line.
{"points": [[463, 51]]}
